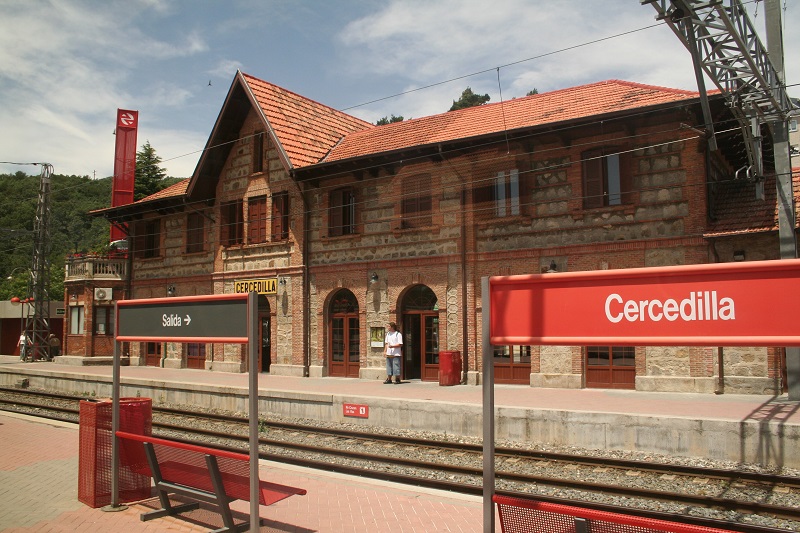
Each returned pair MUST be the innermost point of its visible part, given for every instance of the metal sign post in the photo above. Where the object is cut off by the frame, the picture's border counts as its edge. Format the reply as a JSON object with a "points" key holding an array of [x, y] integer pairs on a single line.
{"points": [[115, 506], [721, 304], [252, 311], [220, 318], [488, 409]]}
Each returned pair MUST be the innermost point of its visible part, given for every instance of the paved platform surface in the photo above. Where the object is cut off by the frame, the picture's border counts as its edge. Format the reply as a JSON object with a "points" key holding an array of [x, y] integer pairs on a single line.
{"points": [[731, 407], [39, 493], [39, 460]]}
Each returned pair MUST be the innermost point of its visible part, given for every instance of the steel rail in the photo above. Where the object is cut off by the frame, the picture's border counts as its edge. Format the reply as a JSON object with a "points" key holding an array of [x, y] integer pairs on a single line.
{"points": [[748, 507], [501, 452]]}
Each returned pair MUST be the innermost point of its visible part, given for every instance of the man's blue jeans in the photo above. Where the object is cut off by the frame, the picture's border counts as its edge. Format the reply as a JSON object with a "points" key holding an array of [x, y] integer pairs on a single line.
{"points": [[393, 366]]}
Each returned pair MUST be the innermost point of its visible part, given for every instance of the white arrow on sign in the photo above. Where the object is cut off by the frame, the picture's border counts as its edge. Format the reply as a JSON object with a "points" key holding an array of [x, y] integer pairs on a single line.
{"points": [[188, 319]]}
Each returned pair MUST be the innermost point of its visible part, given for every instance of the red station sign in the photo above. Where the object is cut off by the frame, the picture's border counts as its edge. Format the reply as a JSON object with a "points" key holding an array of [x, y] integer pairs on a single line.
{"points": [[729, 304], [355, 410]]}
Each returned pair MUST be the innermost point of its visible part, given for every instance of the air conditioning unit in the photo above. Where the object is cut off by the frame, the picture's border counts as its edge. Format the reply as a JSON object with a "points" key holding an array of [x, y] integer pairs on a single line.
{"points": [[102, 293]]}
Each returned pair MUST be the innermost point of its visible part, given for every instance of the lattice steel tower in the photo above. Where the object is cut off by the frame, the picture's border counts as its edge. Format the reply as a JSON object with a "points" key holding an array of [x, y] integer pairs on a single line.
{"points": [[37, 323]]}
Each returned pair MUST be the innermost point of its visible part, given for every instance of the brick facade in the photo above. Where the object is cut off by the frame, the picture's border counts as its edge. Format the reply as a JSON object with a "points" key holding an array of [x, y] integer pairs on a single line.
{"points": [[428, 224]]}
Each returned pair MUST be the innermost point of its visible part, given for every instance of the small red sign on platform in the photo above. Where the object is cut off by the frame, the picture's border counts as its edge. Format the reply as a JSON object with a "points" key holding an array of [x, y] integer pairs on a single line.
{"points": [[356, 410]]}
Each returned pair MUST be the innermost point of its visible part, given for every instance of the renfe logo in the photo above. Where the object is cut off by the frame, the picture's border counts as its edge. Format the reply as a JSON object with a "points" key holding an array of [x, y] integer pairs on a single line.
{"points": [[700, 305]]}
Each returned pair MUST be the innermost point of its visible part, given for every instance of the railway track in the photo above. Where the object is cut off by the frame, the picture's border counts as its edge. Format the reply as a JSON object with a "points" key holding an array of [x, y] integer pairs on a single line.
{"points": [[726, 498]]}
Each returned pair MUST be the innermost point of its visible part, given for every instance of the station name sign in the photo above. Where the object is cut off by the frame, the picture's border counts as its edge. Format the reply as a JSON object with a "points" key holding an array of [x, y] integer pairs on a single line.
{"points": [[261, 286], [730, 304]]}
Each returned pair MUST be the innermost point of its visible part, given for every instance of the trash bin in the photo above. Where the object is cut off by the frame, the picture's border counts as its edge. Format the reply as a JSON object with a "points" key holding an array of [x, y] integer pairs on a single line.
{"points": [[449, 368], [94, 450]]}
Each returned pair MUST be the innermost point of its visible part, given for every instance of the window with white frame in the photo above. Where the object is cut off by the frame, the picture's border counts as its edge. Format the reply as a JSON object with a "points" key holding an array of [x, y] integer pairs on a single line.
{"points": [[500, 195], [76, 324], [103, 320]]}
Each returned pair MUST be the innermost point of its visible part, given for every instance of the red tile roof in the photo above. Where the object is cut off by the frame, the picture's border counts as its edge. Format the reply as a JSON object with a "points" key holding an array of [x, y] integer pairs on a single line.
{"points": [[547, 108], [306, 129], [739, 212], [176, 189]]}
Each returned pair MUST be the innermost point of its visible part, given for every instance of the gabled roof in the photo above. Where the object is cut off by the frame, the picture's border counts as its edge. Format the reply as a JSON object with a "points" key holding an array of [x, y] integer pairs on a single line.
{"points": [[565, 105], [305, 129], [301, 129], [739, 212], [309, 134]]}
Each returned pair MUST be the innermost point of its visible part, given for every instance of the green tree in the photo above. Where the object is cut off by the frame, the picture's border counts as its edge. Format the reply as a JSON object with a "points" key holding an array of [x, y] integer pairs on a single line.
{"points": [[388, 120], [469, 99], [532, 92], [71, 229], [149, 173]]}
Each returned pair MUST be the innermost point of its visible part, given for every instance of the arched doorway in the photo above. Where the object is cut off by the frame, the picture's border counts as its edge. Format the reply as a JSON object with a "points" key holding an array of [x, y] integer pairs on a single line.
{"points": [[420, 312], [345, 340], [265, 334]]}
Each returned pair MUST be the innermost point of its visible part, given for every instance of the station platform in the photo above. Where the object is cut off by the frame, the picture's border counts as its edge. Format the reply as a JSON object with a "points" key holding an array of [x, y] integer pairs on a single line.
{"points": [[39, 492], [727, 427]]}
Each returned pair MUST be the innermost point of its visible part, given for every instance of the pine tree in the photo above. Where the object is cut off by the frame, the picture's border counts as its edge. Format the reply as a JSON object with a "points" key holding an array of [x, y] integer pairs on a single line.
{"points": [[469, 99], [149, 175]]}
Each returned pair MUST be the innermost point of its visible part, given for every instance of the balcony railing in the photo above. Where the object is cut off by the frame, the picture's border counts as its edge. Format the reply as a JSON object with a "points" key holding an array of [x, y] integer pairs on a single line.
{"points": [[96, 267]]}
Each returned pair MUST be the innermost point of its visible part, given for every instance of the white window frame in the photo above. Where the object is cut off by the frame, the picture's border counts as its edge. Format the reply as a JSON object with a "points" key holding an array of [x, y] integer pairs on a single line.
{"points": [[77, 324]]}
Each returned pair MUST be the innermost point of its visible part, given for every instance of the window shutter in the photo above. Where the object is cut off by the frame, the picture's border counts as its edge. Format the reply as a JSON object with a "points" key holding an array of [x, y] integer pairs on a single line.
{"points": [[258, 152], [257, 220], [514, 191], [593, 186], [195, 233], [626, 177], [138, 239], [231, 226], [417, 204], [335, 213], [280, 216]]}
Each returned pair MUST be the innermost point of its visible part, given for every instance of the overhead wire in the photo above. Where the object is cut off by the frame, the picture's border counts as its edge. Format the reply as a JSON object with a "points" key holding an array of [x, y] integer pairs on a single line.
{"points": [[400, 196], [573, 47]]}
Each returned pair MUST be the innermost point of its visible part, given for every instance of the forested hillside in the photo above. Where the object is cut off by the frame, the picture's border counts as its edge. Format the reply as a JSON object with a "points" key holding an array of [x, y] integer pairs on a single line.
{"points": [[71, 228]]}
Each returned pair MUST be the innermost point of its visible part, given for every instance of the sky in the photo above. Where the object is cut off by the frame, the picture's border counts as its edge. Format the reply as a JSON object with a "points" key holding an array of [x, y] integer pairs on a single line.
{"points": [[66, 66]]}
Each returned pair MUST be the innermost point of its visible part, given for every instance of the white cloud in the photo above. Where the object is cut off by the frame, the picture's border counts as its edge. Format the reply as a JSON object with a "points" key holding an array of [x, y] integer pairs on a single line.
{"points": [[67, 65], [537, 43], [225, 68]]}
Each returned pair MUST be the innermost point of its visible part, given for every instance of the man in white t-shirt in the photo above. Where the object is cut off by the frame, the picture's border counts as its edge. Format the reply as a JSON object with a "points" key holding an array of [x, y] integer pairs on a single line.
{"points": [[393, 352], [23, 344]]}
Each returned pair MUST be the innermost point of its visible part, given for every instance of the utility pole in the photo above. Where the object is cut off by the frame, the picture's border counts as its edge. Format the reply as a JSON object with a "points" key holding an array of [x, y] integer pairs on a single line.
{"points": [[783, 174], [724, 43], [38, 325]]}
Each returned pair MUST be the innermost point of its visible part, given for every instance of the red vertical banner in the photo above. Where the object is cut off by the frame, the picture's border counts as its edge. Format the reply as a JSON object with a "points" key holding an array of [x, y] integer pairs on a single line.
{"points": [[124, 164]]}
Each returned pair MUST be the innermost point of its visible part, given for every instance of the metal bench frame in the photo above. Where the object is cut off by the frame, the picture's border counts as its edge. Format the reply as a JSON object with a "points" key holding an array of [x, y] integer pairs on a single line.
{"points": [[218, 496], [523, 515]]}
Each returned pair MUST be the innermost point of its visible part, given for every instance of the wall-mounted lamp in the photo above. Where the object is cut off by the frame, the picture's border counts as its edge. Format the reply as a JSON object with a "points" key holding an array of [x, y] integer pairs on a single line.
{"points": [[171, 290], [282, 282], [373, 278], [738, 255], [73, 296]]}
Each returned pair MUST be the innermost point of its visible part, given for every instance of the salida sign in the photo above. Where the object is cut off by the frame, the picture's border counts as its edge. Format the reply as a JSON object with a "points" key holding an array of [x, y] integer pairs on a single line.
{"points": [[731, 304]]}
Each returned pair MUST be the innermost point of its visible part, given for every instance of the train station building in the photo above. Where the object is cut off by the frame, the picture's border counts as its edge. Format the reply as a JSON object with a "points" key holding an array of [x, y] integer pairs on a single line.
{"points": [[343, 227]]}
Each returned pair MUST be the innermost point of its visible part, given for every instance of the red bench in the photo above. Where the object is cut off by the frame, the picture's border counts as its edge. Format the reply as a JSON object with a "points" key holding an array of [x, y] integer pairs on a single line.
{"points": [[523, 515], [205, 474]]}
